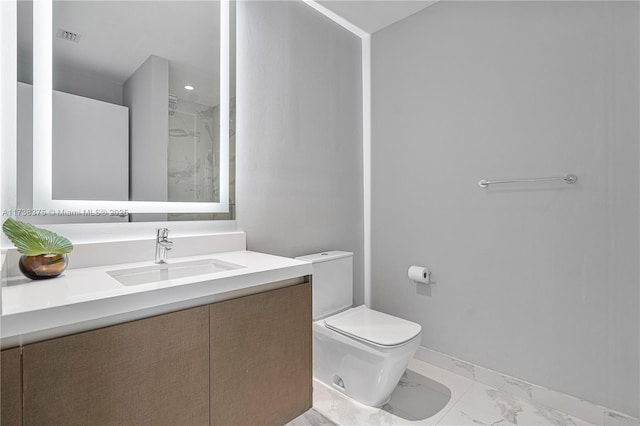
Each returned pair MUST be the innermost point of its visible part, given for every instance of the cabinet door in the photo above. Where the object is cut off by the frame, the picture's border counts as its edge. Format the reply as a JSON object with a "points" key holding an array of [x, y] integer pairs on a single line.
{"points": [[11, 391], [152, 371], [261, 357]]}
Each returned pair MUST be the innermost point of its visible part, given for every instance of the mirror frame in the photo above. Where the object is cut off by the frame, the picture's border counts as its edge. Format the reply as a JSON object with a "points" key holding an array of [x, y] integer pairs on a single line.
{"points": [[42, 128]]}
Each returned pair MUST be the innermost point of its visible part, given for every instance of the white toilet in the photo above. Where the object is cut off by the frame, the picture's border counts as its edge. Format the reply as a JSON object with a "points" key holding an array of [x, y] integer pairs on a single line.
{"points": [[358, 351]]}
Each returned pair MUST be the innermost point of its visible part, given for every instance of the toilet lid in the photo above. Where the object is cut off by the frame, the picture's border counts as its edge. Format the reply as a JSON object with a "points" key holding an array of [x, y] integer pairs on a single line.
{"points": [[372, 326]]}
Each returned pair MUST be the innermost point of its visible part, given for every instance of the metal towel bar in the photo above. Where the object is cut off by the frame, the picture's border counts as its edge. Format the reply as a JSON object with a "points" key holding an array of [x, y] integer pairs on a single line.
{"points": [[570, 179]]}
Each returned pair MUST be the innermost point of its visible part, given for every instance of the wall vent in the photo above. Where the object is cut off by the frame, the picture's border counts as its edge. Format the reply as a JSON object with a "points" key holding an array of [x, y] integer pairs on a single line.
{"points": [[68, 35]]}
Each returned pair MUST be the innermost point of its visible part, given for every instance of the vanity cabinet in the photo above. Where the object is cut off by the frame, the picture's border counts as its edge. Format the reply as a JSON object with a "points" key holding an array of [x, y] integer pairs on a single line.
{"points": [[147, 372], [243, 361], [261, 360]]}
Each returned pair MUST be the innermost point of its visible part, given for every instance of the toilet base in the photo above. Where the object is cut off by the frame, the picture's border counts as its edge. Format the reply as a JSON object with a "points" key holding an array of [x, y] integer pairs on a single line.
{"points": [[362, 371]]}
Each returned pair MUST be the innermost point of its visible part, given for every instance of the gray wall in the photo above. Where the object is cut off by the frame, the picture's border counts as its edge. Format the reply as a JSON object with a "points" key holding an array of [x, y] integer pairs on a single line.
{"points": [[299, 133], [538, 281]]}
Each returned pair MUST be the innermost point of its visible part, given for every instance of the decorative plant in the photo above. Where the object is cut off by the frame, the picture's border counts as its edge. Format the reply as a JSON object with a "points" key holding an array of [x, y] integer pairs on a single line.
{"points": [[33, 241]]}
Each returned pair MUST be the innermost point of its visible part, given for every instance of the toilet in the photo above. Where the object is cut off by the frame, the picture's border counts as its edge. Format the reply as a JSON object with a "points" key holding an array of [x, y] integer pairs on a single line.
{"points": [[357, 351]]}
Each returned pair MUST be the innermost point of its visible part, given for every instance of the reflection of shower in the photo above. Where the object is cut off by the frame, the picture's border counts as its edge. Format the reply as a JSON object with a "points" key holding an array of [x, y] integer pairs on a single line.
{"points": [[208, 129], [173, 103], [207, 114], [178, 133], [192, 153]]}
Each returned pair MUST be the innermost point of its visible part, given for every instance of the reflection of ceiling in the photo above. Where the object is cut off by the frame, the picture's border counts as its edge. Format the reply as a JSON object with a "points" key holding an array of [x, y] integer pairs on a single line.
{"points": [[374, 15], [118, 36]]}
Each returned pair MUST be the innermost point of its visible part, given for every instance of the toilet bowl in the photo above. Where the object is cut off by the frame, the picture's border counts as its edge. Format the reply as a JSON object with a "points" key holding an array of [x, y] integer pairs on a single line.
{"points": [[357, 351], [365, 354]]}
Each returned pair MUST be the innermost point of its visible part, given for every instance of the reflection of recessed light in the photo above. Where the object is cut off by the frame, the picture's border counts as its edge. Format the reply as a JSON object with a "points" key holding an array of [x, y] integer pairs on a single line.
{"points": [[188, 87]]}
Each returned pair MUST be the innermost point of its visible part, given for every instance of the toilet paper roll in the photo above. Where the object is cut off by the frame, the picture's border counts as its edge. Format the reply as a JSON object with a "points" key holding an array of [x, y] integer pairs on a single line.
{"points": [[418, 274]]}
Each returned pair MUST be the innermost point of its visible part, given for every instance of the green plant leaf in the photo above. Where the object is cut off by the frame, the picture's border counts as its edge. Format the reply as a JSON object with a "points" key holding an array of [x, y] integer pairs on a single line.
{"points": [[33, 241]]}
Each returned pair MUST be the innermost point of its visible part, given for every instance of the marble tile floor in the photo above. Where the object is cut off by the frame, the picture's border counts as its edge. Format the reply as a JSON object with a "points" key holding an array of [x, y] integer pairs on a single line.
{"points": [[429, 395]]}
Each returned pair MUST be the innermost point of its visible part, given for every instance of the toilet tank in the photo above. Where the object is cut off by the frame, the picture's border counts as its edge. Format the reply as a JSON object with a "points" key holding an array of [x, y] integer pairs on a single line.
{"points": [[332, 282]]}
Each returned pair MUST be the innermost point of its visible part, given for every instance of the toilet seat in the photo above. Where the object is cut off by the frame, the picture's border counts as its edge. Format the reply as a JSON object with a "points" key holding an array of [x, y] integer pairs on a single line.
{"points": [[373, 327]]}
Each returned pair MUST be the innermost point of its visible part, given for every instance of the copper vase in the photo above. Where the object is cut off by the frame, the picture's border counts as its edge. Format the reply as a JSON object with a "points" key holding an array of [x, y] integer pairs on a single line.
{"points": [[43, 266]]}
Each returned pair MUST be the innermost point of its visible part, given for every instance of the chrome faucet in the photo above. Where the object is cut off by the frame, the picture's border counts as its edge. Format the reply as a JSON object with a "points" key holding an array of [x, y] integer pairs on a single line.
{"points": [[162, 245]]}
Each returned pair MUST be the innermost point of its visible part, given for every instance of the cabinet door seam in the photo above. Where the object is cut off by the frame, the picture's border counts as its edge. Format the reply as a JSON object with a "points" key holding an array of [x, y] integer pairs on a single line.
{"points": [[21, 385]]}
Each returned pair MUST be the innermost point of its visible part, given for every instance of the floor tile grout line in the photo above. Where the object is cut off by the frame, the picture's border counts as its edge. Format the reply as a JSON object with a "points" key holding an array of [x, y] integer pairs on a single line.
{"points": [[457, 401], [448, 411]]}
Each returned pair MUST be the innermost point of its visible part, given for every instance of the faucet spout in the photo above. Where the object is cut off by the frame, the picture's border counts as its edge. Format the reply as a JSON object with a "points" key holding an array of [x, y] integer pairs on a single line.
{"points": [[162, 245]]}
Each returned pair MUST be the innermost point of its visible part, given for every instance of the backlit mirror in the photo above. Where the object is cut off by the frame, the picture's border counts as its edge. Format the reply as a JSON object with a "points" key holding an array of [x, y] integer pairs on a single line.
{"points": [[132, 106]]}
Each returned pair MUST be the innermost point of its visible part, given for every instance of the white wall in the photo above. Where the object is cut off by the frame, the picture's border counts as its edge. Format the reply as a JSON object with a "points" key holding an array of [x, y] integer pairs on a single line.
{"points": [[299, 133], [97, 134], [85, 84], [112, 156], [539, 281]]}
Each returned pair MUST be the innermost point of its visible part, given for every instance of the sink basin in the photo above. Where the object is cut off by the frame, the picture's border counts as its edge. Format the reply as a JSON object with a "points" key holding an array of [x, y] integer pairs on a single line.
{"points": [[171, 271]]}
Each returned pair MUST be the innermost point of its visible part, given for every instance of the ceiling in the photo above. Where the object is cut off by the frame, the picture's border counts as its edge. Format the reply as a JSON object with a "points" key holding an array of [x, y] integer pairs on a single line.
{"points": [[374, 15]]}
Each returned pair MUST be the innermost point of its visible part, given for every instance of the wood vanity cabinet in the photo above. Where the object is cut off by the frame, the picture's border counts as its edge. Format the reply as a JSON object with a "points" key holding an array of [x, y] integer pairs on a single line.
{"points": [[244, 361], [147, 372], [261, 366]]}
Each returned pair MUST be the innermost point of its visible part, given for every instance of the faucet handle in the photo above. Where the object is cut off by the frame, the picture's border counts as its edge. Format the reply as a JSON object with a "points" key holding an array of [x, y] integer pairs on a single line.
{"points": [[162, 233]]}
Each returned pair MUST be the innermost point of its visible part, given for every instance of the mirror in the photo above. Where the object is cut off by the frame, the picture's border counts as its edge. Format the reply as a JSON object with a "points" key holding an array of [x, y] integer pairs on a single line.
{"points": [[133, 106]]}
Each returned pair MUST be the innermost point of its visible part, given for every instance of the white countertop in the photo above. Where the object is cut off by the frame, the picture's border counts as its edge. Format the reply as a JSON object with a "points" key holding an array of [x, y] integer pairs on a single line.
{"points": [[87, 298]]}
